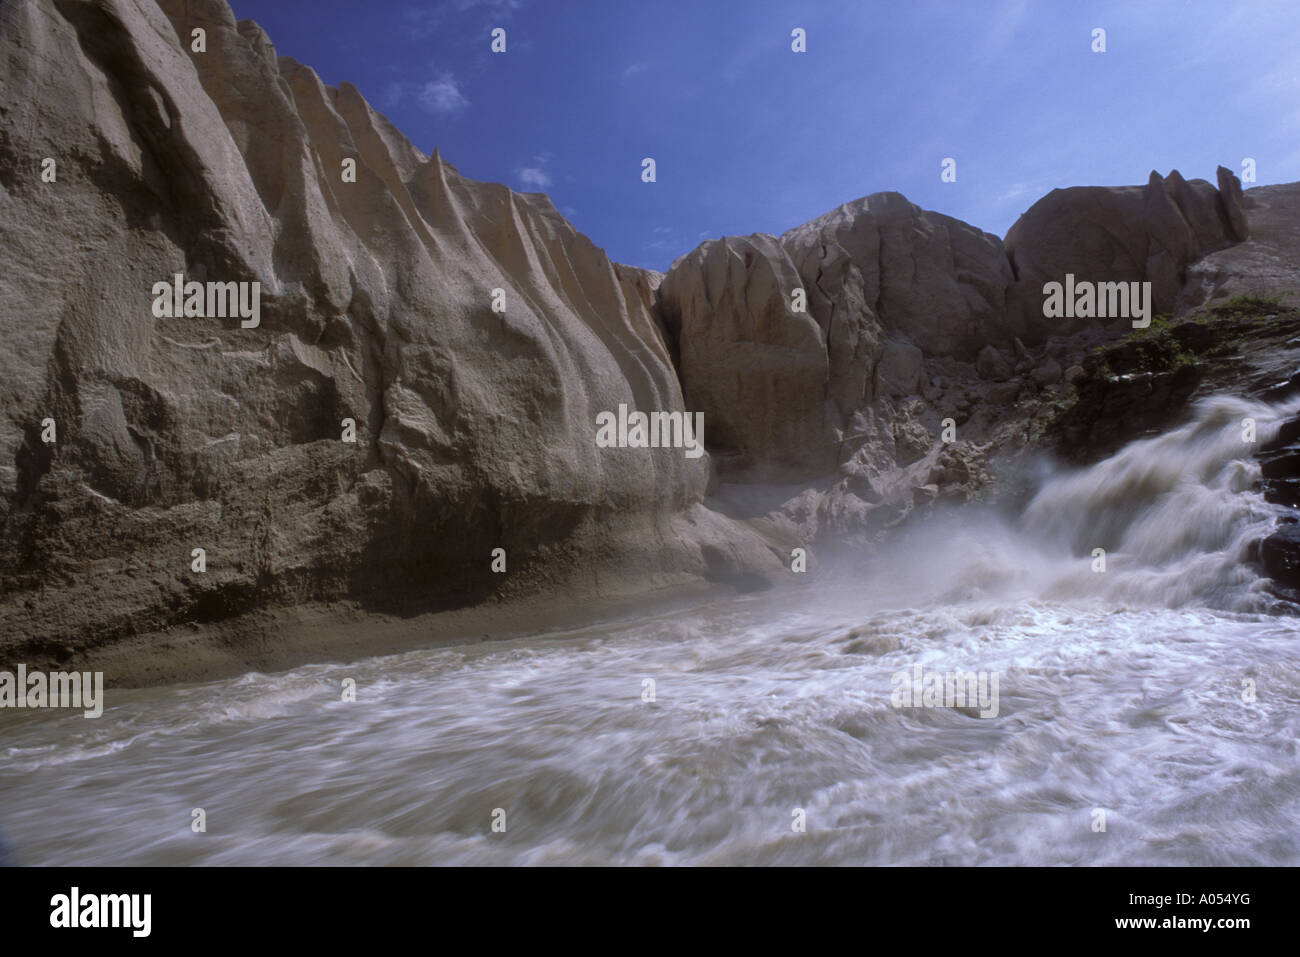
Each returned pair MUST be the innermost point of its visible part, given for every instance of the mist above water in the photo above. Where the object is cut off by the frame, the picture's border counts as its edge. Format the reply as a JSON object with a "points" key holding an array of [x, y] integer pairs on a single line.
{"points": [[1121, 691], [1175, 516]]}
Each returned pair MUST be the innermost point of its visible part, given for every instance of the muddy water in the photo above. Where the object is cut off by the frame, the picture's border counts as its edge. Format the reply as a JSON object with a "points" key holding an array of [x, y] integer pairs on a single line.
{"points": [[770, 733]]}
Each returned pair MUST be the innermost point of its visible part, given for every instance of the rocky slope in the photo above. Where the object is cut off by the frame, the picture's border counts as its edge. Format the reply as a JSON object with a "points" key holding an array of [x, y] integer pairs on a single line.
{"points": [[825, 360], [913, 319]]}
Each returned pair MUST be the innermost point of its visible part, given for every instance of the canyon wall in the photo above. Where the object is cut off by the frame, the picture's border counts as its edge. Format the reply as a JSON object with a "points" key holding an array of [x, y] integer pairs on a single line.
{"points": [[129, 439]]}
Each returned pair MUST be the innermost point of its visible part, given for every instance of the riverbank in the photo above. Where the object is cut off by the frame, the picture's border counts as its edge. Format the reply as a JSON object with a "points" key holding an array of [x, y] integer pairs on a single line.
{"points": [[278, 639]]}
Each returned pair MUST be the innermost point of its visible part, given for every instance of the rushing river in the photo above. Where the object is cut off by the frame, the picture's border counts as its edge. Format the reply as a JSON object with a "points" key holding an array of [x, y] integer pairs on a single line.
{"points": [[1124, 699]]}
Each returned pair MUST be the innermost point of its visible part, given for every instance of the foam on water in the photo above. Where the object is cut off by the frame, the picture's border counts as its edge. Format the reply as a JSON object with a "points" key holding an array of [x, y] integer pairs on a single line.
{"points": [[1120, 691]]}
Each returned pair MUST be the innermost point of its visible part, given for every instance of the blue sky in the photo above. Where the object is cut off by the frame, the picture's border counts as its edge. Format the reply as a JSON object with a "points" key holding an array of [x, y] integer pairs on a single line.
{"points": [[749, 136]]}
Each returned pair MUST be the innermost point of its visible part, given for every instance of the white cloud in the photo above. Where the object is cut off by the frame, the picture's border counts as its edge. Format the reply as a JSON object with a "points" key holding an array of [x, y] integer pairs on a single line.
{"points": [[634, 68], [442, 95], [533, 176]]}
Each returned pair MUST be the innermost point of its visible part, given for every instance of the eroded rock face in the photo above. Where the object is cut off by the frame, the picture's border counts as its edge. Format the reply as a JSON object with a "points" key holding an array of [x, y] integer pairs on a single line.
{"points": [[1148, 233], [828, 358], [892, 290], [475, 428], [755, 367], [883, 283], [920, 275], [1267, 263]]}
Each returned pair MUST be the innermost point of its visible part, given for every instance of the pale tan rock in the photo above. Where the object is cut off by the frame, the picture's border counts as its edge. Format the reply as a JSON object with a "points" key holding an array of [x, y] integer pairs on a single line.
{"points": [[1267, 263], [757, 369], [475, 429], [933, 279], [1148, 233], [886, 283]]}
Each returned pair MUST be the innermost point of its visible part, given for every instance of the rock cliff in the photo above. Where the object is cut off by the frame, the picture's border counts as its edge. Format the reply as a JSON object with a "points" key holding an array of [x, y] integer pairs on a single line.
{"points": [[468, 338], [474, 427]]}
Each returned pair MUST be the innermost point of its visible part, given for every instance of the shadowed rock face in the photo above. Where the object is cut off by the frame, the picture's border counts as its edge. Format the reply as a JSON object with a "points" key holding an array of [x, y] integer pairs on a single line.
{"points": [[475, 428], [1146, 233]]}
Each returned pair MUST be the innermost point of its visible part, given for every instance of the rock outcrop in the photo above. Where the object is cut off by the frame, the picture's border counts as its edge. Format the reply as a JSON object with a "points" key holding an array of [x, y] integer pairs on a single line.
{"points": [[468, 338], [1148, 233], [474, 427], [785, 342], [795, 390], [758, 369]]}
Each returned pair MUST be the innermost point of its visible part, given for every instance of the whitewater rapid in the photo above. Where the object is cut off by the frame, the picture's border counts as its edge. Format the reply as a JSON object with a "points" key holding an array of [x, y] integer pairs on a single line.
{"points": [[1158, 697]]}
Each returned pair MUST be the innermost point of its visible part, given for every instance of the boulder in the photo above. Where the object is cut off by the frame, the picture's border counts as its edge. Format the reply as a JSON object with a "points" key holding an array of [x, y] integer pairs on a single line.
{"points": [[1002, 393], [1234, 206], [1279, 553], [991, 364], [1049, 373]]}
